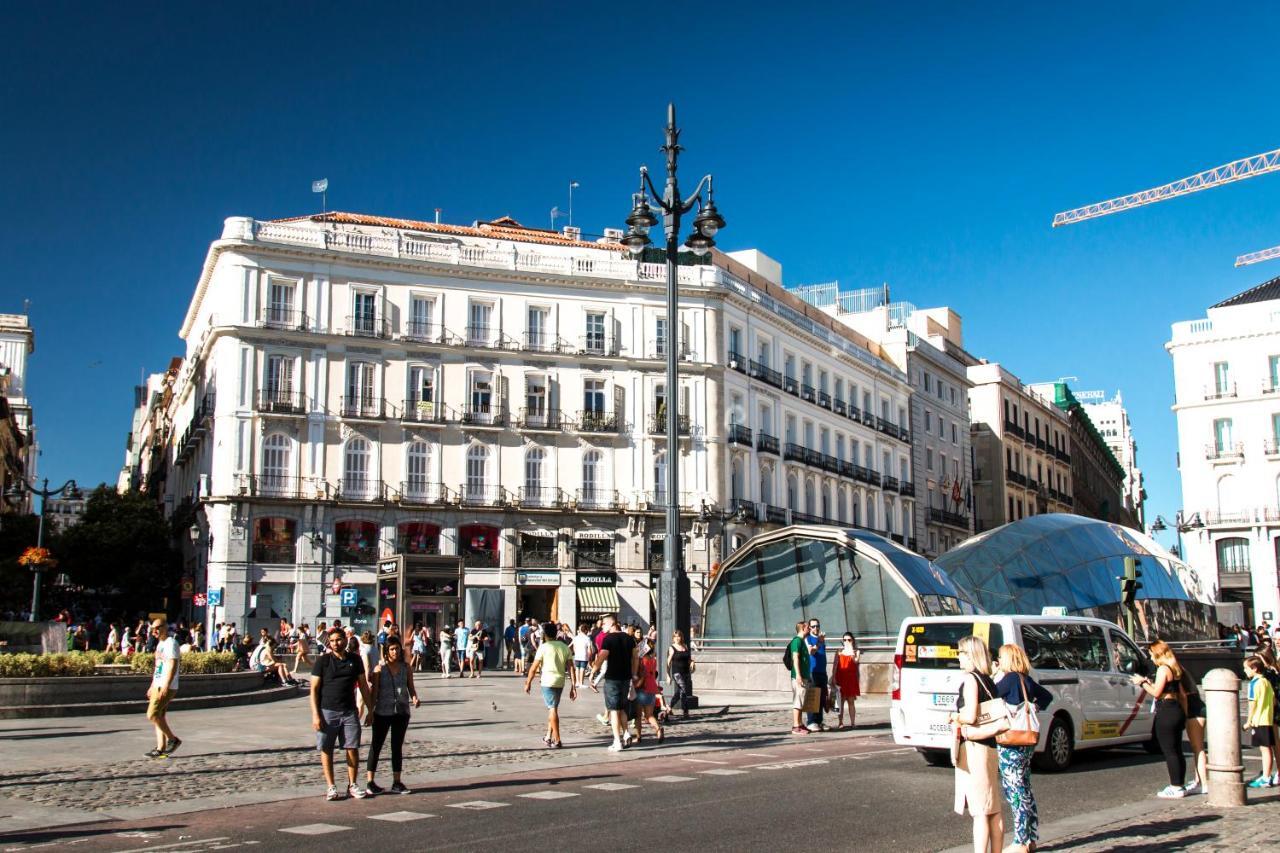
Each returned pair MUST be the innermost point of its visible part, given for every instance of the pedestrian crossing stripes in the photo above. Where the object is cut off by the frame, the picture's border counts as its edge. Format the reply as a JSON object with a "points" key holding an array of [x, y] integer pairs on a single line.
{"points": [[669, 779], [478, 805], [400, 817], [548, 795], [722, 771], [611, 786], [315, 829]]}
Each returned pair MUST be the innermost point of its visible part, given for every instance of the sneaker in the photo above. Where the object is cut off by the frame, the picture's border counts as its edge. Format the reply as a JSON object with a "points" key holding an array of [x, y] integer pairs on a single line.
{"points": [[602, 719], [156, 753], [1193, 787], [355, 792], [1260, 782], [373, 788], [399, 788], [171, 746], [1171, 792], [1275, 780], [332, 794], [799, 730], [616, 746], [813, 727], [628, 739]]}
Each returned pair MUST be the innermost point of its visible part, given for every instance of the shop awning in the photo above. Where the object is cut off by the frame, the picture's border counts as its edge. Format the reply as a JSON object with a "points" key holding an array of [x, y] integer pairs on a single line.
{"points": [[598, 599]]}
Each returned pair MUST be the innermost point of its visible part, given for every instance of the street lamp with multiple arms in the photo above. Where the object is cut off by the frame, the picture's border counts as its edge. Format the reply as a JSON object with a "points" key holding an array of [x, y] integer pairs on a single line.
{"points": [[673, 590], [67, 489]]}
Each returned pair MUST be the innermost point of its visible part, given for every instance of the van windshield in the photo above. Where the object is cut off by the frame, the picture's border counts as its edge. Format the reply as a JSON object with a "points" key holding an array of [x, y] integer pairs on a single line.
{"points": [[932, 645]]}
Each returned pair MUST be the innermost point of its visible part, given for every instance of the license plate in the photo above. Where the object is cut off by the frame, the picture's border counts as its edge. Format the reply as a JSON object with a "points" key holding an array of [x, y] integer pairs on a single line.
{"points": [[944, 700], [939, 728]]}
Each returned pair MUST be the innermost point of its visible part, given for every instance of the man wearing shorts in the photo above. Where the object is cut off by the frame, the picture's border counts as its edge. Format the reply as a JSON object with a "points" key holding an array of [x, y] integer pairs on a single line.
{"points": [[335, 677], [582, 649], [800, 665], [164, 683], [618, 650], [553, 661]]}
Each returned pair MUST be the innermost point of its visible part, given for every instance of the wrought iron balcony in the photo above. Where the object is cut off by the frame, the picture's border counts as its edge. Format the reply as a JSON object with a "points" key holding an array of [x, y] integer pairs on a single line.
{"points": [[738, 434], [484, 416], [270, 486], [847, 468], [427, 333], [365, 408], [1270, 447], [421, 491], [543, 342], [764, 373], [479, 559], [541, 419], [358, 490], [829, 463], [279, 401], [766, 443], [737, 362], [840, 407], [808, 392], [744, 510], [425, 412], [484, 337], [951, 519], [824, 399], [368, 326], [1225, 453], [890, 483], [585, 556], [791, 385], [658, 424], [598, 344], [480, 494], [775, 514], [658, 349], [794, 452], [538, 558], [540, 497], [906, 487], [598, 422], [1220, 392], [598, 499], [1016, 478], [283, 319], [1013, 429]]}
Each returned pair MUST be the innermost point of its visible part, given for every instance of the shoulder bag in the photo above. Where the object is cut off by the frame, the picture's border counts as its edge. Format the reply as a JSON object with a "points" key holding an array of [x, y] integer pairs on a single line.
{"points": [[993, 717], [1024, 728]]}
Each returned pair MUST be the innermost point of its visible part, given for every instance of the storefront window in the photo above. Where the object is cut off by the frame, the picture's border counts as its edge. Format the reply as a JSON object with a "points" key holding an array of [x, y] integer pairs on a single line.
{"points": [[537, 551], [417, 537], [356, 542], [274, 540], [593, 554], [478, 545]]}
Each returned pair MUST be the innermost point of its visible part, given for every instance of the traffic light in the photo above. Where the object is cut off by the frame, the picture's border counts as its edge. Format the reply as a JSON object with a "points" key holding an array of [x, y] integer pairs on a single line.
{"points": [[1130, 583]]}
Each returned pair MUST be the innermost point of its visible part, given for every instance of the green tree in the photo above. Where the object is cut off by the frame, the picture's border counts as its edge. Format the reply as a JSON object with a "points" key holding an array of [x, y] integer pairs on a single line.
{"points": [[17, 533]]}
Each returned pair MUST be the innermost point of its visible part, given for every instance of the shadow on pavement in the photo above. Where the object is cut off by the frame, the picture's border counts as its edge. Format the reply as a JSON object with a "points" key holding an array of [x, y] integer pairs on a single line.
{"points": [[81, 830], [520, 781], [47, 734], [1145, 836]]}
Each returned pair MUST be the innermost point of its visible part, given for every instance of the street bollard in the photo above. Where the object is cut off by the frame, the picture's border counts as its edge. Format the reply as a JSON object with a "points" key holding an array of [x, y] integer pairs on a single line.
{"points": [[1222, 738]]}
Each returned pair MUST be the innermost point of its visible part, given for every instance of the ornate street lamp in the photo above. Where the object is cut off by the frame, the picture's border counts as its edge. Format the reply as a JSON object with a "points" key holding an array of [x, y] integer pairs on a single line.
{"points": [[39, 561], [673, 588]]}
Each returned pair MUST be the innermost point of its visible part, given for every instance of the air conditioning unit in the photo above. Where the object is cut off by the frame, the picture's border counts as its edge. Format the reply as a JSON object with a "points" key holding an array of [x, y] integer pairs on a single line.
{"points": [[573, 232], [612, 235], [642, 506], [689, 356]]}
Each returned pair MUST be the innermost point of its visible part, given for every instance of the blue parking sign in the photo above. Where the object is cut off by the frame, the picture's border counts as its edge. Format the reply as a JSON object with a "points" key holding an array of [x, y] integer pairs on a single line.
{"points": [[215, 597], [348, 596]]}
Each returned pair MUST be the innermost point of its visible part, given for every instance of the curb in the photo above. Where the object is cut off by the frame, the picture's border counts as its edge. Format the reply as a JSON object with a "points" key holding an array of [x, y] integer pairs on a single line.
{"points": [[254, 697]]}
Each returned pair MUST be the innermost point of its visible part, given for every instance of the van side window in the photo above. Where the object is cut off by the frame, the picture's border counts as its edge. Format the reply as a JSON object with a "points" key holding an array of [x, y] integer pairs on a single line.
{"points": [[1065, 646], [1125, 655]]}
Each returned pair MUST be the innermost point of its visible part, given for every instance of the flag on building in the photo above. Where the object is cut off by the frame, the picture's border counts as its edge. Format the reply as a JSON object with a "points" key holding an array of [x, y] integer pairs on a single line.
{"points": [[320, 186]]}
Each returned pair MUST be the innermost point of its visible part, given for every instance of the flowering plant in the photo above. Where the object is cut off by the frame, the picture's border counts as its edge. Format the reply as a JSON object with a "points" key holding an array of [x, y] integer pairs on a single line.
{"points": [[37, 557]]}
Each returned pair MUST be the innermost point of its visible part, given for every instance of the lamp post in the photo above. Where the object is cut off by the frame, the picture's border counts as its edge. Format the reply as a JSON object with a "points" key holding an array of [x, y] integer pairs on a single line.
{"points": [[673, 588], [1180, 526], [67, 489]]}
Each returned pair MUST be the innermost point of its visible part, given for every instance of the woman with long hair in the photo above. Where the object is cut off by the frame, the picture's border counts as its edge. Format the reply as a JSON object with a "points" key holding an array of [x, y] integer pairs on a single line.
{"points": [[392, 691], [977, 766], [1171, 714], [647, 690], [680, 667], [302, 649], [847, 679], [1016, 687]]}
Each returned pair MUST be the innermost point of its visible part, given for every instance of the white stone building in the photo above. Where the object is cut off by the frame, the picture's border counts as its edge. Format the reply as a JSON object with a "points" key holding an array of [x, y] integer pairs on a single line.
{"points": [[17, 432], [482, 406], [1112, 421], [1226, 370]]}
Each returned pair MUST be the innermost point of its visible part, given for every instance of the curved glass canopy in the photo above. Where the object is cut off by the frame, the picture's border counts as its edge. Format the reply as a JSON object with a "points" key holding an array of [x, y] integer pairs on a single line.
{"points": [[1060, 560]]}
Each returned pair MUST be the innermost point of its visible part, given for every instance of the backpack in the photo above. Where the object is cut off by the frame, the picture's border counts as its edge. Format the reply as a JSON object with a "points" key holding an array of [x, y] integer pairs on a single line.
{"points": [[786, 658]]}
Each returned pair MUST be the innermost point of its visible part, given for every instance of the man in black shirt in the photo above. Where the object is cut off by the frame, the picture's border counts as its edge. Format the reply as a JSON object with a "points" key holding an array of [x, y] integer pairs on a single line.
{"points": [[618, 654], [335, 677]]}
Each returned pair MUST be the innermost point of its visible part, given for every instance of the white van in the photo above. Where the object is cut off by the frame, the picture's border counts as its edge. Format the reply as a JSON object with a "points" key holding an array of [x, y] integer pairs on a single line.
{"points": [[1084, 663]]}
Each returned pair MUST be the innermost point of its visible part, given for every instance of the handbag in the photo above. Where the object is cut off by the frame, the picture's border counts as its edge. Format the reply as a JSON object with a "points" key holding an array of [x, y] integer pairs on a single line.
{"points": [[812, 700], [992, 719], [1025, 725]]}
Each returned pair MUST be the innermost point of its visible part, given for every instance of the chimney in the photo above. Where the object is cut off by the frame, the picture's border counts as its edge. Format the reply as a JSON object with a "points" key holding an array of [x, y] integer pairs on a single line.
{"points": [[437, 216]]}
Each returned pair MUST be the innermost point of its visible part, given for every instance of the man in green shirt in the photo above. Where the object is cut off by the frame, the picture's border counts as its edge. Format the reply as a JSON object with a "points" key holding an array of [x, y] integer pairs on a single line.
{"points": [[553, 659], [798, 655]]}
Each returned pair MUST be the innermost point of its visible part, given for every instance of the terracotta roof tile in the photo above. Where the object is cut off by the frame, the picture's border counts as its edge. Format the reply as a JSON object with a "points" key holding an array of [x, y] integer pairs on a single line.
{"points": [[503, 228]]}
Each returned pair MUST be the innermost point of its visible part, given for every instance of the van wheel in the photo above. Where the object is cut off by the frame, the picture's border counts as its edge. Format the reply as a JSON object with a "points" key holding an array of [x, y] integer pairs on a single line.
{"points": [[936, 757], [1059, 747]]}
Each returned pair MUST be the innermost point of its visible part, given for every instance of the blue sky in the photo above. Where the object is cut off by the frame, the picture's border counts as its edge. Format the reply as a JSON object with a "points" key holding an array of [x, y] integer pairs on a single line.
{"points": [[924, 145]]}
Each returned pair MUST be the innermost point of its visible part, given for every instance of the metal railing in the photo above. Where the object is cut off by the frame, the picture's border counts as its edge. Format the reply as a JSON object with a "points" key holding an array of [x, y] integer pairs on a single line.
{"points": [[427, 333], [279, 401], [766, 443], [1231, 451], [598, 344], [283, 319], [738, 434], [1216, 393], [600, 422], [358, 490], [540, 419], [599, 499], [422, 492], [543, 342], [483, 336], [658, 424], [367, 326], [425, 412], [540, 497], [372, 408], [538, 558], [489, 415]]}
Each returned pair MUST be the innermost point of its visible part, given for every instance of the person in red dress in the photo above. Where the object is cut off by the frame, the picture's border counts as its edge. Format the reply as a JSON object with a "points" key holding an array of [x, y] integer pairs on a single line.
{"points": [[847, 679]]}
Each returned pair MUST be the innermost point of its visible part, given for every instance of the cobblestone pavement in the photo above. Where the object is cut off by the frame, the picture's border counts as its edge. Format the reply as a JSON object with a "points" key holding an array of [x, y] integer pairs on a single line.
{"points": [[1190, 824], [458, 735]]}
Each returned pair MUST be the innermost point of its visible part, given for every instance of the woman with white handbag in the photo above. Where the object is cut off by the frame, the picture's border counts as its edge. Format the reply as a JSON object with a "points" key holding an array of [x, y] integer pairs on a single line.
{"points": [[979, 716], [1023, 696]]}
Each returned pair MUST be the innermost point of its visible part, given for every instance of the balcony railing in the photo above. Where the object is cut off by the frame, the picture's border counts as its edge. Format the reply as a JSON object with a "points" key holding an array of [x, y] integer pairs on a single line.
{"points": [[766, 443], [368, 408], [1232, 518], [479, 559], [866, 475], [483, 336], [543, 342], [1013, 429], [890, 483], [1041, 444], [840, 407], [906, 487], [1270, 447], [600, 422], [1226, 452], [737, 362], [1220, 393], [829, 463], [1269, 387], [484, 416], [586, 557], [598, 499], [547, 420], [658, 424], [847, 468], [358, 490], [951, 519], [538, 558], [658, 349], [541, 497], [283, 319], [275, 553], [738, 434], [421, 492], [808, 392], [794, 452], [278, 401], [477, 494], [764, 373], [366, 326], [1016, 478], [745, 510], [598, 344], [427, 333], [425, 412], [824, 399], [775, 514], [270, 486], [657, 499], [791, 385]]}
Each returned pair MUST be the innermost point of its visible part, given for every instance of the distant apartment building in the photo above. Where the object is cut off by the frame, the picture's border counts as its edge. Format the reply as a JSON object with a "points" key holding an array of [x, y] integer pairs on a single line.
{"points": [[1021, 448], [927, 345], [1226, 370], [18, 450], [1112, 420], [480, 411]]}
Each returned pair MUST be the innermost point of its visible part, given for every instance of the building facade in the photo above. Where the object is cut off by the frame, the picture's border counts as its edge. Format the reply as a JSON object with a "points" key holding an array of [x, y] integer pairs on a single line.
{"points": [[1112, 421], [18, 449], [1226, 369], [927, 345], [1021, 448], [480, 410]]}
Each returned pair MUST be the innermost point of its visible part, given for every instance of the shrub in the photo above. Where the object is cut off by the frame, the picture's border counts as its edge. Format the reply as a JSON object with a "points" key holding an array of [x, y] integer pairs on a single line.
{"points": [[83, 663], [197, 663]]}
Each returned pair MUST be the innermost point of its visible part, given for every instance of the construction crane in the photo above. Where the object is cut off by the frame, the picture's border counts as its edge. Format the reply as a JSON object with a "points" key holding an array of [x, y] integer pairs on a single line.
{"points": [[1237, 170]]}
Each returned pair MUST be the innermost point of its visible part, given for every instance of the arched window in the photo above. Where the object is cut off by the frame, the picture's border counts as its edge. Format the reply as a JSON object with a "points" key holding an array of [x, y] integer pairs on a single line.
{"points": [[792, 497], [840, 507], [766, 486], [593, 491], [869, 512], [889, 517], [355, 542], [274, 540], [810, 498], [735, 479], [419, 483], [826, 502], [1233, 555], [660, 478], [477, 485], [277, 465], [356, 481], [534, 491], [856, 503], [418, 537]]}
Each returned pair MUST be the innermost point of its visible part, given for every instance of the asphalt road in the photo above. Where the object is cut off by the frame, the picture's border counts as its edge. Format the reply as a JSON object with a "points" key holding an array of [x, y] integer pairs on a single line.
{"points": [[815, 793]]}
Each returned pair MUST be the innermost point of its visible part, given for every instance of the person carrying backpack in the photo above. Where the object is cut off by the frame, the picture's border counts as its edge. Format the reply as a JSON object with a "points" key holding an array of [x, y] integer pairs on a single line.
{"points": [[796, 660]]}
